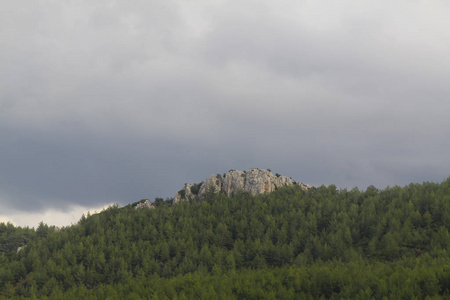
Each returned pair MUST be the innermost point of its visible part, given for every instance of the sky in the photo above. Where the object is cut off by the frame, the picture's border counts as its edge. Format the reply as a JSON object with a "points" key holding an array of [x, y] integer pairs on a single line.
{"points": [[109, 101]]}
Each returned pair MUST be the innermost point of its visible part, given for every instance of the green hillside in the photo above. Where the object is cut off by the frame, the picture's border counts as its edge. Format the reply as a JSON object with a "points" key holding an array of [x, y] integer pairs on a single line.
{"points": [[290, 244]]}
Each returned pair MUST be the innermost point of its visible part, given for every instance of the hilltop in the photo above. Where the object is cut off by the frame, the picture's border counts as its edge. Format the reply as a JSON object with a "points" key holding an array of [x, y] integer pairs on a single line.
{"points": [[254, 181]]}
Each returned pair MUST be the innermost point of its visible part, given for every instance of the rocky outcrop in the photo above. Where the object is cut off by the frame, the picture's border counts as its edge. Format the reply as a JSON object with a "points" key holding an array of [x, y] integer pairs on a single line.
{"points": [[188, 192], [213, 183], [233, 182], [144, 204], [254, 181], [20, 248]]}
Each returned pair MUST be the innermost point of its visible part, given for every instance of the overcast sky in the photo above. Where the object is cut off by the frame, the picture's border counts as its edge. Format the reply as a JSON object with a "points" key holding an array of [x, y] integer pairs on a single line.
{"points": [[115, 101]]}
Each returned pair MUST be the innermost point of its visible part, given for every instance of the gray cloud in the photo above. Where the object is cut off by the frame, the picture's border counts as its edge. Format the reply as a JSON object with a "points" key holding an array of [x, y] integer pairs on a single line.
{"points": [[114, 101]]}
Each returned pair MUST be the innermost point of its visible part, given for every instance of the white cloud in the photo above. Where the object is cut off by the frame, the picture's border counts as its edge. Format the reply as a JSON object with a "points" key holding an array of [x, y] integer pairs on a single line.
{"points": [[50, 216]]}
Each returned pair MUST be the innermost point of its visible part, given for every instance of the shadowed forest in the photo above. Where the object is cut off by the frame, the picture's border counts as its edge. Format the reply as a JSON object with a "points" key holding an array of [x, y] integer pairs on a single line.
{"points": [[324, 243]]}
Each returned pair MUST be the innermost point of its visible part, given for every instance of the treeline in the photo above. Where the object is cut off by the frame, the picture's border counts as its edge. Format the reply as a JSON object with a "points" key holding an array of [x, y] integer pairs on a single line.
{"points": [[288, 244]]}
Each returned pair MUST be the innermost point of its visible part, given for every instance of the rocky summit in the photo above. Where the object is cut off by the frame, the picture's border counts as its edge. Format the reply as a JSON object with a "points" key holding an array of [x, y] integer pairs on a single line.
{"points": [[254, 181]]}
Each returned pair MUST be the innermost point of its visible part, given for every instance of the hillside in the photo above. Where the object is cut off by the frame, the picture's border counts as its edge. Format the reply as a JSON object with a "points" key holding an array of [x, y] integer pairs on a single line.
{"points": [[287, 244]]}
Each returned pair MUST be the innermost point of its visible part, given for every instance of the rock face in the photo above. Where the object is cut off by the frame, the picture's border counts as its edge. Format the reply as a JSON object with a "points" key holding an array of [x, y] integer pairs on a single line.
{"points": [[234, 181], [213, 182], [254, 181], [145, 204]]}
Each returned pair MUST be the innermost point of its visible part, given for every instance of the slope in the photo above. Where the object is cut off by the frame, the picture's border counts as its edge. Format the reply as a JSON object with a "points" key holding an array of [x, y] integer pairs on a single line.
{"points": [[290, 243]]}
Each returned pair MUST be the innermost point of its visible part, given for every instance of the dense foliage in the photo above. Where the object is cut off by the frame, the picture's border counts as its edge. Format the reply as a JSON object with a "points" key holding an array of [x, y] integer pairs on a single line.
{"points": [[289, 244]]}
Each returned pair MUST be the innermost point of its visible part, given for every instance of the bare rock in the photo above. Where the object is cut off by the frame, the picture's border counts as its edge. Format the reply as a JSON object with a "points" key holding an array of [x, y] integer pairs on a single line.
{"points": [[254, 181], [185, 193], [145, 204], [20, 248], [233, 182], [212, 184]]}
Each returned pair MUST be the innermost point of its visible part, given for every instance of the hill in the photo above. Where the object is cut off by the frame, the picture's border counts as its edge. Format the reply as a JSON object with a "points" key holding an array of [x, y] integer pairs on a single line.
{"points": [[288, 244]]}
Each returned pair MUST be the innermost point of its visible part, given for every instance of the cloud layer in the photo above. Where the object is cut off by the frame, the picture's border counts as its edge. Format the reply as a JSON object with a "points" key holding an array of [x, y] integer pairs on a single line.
{"points": [[115, 101]]}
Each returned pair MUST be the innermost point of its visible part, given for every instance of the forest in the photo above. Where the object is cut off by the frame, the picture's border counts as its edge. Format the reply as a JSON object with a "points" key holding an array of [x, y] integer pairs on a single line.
{"points": [[324, 243]]}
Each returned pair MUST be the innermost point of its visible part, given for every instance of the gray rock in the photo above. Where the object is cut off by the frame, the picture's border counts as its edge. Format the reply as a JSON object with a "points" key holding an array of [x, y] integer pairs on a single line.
{"points": [[233, 182], [178, 197], [254, 181], [145, 204], [185, 194], [213, 183]]}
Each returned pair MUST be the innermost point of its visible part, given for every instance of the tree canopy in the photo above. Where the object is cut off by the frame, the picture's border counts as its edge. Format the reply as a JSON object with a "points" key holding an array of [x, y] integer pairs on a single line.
{"points": [[324, 243]]}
